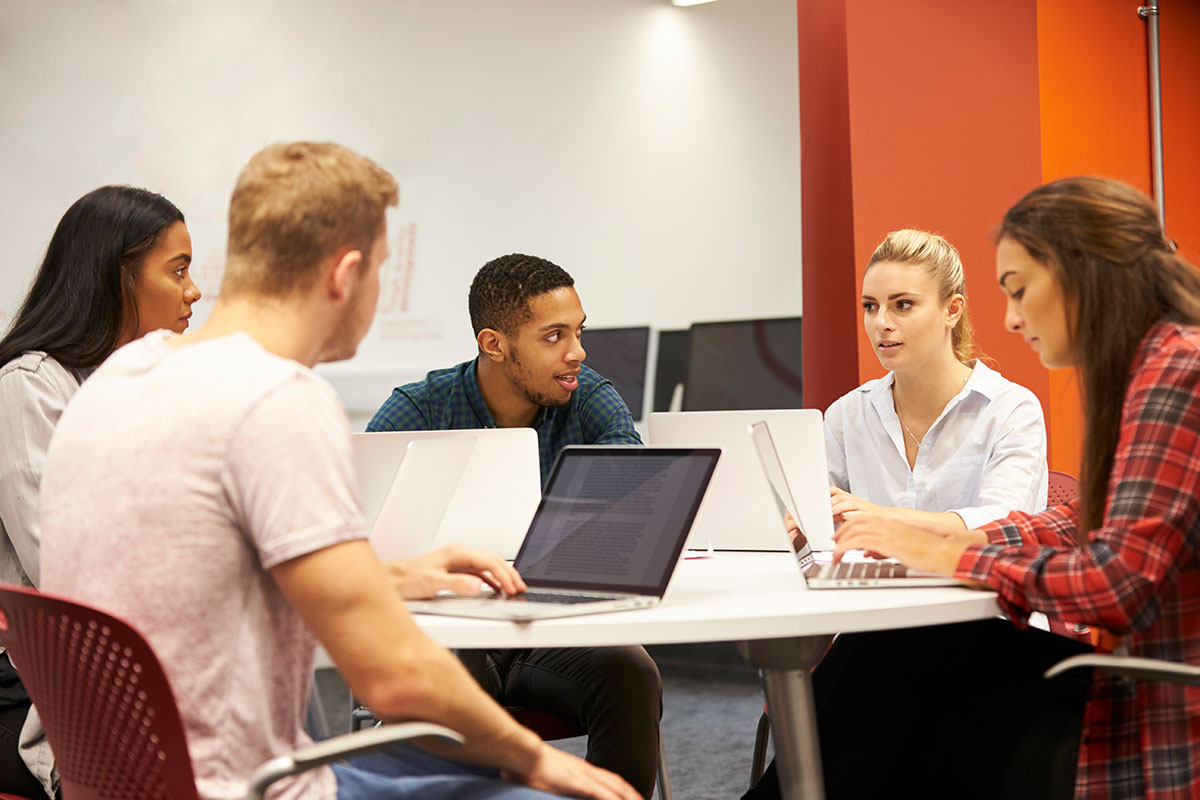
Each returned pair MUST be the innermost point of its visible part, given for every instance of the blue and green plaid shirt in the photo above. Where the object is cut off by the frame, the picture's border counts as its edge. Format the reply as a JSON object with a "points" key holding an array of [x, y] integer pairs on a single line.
{"points": [[449, 399]]}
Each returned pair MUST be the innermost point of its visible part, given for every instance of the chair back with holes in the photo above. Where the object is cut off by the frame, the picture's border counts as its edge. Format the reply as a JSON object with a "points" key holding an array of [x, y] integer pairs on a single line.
{"points": [[1063, 487], [104, 700]]}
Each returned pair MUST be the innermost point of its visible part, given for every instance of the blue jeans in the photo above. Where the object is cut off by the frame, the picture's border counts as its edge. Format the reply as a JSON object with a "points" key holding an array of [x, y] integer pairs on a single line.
{"points": [[404, 772]]}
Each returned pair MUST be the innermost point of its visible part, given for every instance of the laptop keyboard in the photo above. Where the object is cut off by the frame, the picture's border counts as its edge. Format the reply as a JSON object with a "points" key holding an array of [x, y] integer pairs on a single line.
{"points": [[556, 597], [867, 571]]}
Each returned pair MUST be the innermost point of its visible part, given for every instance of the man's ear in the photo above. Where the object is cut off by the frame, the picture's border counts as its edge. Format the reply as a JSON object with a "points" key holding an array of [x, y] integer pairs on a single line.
{"points": [[492, 344], [344, 273]]}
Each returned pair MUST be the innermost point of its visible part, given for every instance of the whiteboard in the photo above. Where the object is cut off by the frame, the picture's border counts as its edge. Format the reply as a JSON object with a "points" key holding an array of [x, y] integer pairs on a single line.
{"points": [[652, 151]]}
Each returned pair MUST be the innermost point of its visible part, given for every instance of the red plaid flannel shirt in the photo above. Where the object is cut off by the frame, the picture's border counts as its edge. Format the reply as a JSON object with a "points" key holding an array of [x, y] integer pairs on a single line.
{"points": [[1138, 576]]}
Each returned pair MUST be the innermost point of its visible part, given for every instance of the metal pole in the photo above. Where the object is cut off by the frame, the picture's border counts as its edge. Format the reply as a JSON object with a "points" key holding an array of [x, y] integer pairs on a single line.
{"points": [[1150, 14]]}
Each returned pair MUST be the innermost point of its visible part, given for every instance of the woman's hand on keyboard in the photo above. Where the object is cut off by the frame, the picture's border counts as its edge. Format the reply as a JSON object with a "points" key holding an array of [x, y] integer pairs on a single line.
{"points": [[921, 546]]}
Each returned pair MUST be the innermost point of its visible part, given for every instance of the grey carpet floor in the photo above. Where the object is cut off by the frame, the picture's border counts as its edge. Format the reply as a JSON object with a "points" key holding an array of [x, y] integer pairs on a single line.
{"points": [[711, 704]]}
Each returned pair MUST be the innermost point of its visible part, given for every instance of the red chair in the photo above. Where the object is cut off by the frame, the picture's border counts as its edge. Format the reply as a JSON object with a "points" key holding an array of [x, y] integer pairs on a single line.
{"points": [[1063, 488], [110, 715]]}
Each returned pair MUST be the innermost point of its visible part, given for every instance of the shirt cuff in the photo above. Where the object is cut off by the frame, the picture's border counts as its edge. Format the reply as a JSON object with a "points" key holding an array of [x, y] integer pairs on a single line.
{"points": [[976, 561], [974, 517]]}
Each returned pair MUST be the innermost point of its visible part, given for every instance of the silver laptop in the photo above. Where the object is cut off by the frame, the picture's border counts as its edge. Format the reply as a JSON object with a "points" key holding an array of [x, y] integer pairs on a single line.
{"points": [[607, 534], [739, 513], [424, 489], [846, 575]]}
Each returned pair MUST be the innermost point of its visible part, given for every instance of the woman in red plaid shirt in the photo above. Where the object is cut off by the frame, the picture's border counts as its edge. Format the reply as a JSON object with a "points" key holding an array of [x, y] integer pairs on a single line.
{"points": [[1092, 283]]}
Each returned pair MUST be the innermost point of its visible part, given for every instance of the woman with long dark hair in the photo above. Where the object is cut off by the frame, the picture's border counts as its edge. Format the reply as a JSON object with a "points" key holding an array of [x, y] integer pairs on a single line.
{"points": [[115, 269], [1093, 283]]}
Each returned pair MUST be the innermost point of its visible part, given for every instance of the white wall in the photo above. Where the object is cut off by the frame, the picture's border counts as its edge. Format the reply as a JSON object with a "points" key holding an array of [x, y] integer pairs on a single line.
{"points": [[652, 151]]}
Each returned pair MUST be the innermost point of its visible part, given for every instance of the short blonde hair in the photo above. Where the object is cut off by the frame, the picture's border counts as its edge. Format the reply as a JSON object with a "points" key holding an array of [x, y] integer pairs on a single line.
{"points": [[296, 204], [942, 263]]}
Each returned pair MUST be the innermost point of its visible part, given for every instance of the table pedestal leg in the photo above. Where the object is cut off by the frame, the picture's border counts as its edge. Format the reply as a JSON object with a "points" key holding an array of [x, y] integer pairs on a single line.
{"points": [[787, 684]]}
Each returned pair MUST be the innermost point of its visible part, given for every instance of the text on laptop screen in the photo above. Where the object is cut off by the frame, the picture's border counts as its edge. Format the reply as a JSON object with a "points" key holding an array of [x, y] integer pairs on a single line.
{"points": [[615, 520]]}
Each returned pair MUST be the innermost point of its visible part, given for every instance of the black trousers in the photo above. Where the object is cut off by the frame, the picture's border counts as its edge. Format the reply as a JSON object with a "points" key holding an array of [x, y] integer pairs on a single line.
{"points": [[614, 692], [15, 778], [947, 711]]}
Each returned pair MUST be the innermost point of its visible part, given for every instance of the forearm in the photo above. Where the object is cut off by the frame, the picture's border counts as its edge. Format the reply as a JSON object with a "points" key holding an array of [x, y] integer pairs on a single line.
{"points": [[945, 522], [343, 594], [439, 689]]}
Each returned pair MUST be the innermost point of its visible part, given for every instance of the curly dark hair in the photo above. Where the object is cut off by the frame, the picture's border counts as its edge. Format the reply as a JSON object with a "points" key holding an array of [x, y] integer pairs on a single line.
{"points": [[500, 294]]}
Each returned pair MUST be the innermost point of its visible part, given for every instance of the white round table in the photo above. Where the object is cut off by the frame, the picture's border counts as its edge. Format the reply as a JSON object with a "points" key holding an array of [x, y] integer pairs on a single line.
{"points": [[760, 601]]}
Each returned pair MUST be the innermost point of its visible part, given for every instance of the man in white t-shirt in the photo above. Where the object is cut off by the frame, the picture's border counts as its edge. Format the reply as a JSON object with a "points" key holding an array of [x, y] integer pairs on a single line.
{"points": [[202, 488]]}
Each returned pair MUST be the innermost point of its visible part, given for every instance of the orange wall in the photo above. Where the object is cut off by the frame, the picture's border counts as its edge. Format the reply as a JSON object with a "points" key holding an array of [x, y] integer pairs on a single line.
{"points": [[945, 136], [1094, 78], [950, 112], [1096, 121]]}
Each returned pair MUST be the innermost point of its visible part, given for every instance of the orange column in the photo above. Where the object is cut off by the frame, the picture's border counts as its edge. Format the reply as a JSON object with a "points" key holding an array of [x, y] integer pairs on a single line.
{"points": [[1180, 43], [828, 323]]}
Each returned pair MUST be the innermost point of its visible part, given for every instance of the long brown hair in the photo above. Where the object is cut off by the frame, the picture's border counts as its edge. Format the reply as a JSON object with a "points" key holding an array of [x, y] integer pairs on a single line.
{"points": [[1119, 275]]}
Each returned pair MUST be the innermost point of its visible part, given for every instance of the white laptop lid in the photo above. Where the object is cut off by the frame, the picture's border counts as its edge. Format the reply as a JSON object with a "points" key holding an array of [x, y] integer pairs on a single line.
{"points": [[423, 490], [739, 510], [479, 487]]}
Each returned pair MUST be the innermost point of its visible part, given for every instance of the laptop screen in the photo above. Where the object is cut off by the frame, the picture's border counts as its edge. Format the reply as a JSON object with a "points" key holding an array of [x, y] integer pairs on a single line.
{"points": [[768, 456], [615, 518]]}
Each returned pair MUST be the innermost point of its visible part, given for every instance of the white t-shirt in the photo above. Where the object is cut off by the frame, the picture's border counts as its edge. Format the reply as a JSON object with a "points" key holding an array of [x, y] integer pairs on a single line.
{"points": [[176, 479], [984, 456]]}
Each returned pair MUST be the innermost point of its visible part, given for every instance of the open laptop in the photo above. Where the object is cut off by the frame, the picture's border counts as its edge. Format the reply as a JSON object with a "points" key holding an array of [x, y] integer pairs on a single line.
{"points": [[424, 489], [739, 512], [846, 575], [607, 534]]}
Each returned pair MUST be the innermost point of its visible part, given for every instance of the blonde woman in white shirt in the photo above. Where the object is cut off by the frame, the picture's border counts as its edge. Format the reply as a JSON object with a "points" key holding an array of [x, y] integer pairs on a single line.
{"points": [[115, 269], [942, 437]]}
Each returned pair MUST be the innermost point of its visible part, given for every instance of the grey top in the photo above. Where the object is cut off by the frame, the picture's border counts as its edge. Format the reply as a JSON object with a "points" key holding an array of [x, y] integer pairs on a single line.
{"points": [[34, 390]]}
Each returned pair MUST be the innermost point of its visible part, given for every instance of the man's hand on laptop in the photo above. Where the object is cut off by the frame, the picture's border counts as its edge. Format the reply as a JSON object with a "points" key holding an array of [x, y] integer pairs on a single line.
{"points": [[562, 773], [455, 568]]}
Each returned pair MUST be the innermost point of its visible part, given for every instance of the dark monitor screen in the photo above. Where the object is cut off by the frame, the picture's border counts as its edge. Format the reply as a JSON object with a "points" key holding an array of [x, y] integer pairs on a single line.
{"points": [[670, 366], [619, 354], [747, 364]]}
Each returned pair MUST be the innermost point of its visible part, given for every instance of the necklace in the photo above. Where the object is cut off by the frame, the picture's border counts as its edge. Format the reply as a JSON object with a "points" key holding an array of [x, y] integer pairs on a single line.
{"points": [[908, 430], [916, 441]]}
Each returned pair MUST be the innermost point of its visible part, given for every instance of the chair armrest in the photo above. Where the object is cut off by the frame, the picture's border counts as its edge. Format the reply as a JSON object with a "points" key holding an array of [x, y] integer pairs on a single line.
{"points": [[1147, 669], [342, 747]]}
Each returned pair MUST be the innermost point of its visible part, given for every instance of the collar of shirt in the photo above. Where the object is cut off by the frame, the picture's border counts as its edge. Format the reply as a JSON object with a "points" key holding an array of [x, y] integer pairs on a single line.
{"points": [[475, 399], [983, 380]]}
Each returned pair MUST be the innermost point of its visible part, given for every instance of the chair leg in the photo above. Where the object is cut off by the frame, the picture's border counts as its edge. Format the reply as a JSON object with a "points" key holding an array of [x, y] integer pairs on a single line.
{"points": [[664, 779], [759, 761], [315, 723], [360, 716]]}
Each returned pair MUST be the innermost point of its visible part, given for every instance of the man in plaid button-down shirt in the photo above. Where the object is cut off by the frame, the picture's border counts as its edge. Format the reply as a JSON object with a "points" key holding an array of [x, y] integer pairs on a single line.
{"points": [[529, 372]]}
